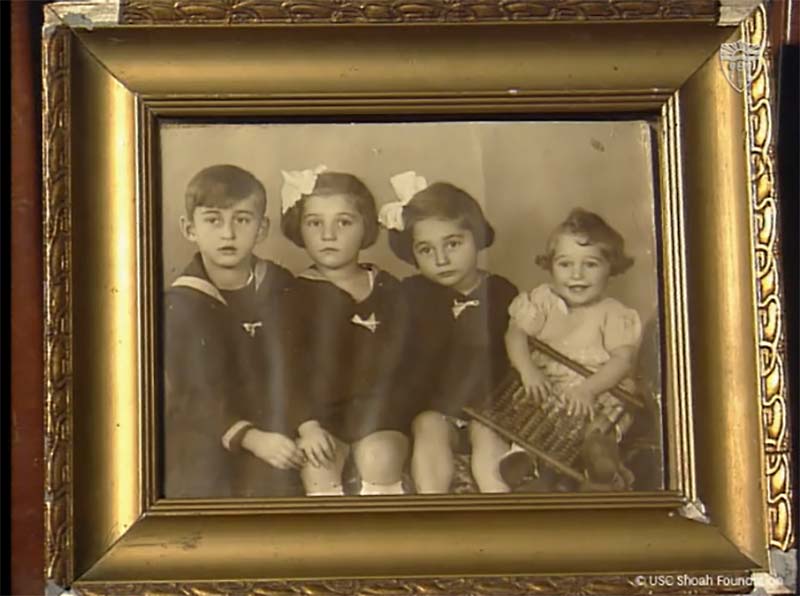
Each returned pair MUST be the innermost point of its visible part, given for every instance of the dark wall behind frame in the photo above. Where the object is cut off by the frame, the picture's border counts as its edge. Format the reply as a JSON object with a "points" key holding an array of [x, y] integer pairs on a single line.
{"points": [[27, 487], [5, 302], [27, 481]]}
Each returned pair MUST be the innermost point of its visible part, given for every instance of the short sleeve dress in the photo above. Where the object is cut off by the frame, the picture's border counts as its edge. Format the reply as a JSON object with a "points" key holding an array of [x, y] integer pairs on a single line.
{"points": [[587, 335]]}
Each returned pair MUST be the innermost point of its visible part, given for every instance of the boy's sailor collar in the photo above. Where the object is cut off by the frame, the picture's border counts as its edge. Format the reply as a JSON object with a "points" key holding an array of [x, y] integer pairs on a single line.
{"points": [[201, 283]]}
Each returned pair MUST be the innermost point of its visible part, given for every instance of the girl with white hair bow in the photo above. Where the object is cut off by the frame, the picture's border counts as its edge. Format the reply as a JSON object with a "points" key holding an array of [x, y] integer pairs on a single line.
{"points": [[459, 315]]}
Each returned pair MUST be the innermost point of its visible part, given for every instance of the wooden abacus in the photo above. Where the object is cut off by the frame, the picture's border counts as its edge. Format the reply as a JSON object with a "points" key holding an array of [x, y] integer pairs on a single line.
{"points": [[543, 427]]}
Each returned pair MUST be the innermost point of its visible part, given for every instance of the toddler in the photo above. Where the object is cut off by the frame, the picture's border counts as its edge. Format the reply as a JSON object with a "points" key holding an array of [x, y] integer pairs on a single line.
{"points": [[573, 315]]}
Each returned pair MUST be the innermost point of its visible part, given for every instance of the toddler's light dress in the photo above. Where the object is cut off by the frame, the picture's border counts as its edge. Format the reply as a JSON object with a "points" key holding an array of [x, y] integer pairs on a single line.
{"points": [[586, 335]]}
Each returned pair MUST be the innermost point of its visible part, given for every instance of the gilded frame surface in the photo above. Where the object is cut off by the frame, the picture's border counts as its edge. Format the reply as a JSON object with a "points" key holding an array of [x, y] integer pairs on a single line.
{"points": [[111, 70]]}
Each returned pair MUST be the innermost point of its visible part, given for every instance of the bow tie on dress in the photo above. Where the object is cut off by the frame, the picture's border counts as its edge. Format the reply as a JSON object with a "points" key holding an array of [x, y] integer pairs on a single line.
{"points": [[370, 322], [459, 306], [250, 328]]}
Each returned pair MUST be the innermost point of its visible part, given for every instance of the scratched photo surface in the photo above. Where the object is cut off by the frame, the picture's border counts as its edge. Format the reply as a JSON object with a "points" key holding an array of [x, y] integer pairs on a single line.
{"points": [[333, 364]]}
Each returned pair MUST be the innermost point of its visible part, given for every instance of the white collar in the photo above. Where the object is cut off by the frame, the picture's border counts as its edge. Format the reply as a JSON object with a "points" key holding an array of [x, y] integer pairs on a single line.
{"points": [[312, 273]]}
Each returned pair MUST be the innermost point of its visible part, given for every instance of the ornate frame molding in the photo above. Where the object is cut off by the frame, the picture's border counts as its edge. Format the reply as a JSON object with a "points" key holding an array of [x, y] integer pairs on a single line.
{"points": [[410, 11], [58, 354], [57, 227], [764, 200], [505, 586]]}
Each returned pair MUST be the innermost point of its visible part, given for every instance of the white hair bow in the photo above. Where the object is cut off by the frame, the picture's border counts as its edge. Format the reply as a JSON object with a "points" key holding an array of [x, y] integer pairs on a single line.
{"points": [[405, 186], [296, 184]]}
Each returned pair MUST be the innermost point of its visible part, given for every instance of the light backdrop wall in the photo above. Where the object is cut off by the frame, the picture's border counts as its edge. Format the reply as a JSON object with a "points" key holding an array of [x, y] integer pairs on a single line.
{"points": [[527, 176]]}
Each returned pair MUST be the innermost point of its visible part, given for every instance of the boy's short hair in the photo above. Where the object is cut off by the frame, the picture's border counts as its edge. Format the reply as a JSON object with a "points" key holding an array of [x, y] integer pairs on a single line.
{"points": [[329, 184], [440, 200], [592, 230], [221, 186]]}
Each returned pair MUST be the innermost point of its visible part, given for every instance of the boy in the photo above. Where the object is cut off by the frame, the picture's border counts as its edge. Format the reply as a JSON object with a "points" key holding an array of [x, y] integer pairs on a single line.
{"points": [[227, 408]]}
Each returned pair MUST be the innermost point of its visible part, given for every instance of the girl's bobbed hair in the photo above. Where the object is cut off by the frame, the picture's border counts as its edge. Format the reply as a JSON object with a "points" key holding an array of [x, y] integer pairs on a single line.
{"points": [[591, 230], [329, 184], [440, 200]]}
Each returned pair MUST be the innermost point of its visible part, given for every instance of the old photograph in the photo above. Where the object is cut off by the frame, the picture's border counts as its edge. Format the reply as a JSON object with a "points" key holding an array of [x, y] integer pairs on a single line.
{"points": [[409, 309]]}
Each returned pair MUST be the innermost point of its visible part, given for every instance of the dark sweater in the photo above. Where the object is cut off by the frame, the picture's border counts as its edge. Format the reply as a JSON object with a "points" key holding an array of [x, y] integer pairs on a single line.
{"points": [[224, 366], [349, 352], [457, 355]]}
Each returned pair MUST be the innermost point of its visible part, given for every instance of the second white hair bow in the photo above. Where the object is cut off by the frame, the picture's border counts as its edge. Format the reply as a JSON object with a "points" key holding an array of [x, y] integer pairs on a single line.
{"points": [[297, 183], [405, 186]]}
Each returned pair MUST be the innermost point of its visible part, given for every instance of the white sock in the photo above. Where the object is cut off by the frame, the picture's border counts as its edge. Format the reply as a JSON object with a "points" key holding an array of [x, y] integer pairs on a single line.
{"points": [[334, 490], [370, 488]]}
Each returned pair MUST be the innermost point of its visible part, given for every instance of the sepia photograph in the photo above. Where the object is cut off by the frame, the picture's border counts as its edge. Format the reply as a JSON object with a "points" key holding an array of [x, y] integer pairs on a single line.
{"points": [[410, 308], [338, 301]]}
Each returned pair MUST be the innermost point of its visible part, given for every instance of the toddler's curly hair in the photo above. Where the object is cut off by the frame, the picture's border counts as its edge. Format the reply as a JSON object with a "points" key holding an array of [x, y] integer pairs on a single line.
{"points": [[590, 229]]}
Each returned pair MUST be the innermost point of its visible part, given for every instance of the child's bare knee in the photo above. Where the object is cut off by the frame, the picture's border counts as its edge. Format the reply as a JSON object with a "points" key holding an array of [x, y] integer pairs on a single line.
{"points": [[430, 424], [381, 456], [485, 440]]}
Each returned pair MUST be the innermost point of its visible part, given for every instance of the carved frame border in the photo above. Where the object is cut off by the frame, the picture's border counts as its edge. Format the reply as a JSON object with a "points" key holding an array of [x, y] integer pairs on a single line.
{"points": [[58, 255], [58, 307], [767, 249], [343, 11]]}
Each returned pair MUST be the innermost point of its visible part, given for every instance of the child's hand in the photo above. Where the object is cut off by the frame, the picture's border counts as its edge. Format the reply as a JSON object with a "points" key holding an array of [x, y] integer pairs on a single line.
{"points": [[579, 401], [535, 383], [274, 448], [317, 444]]}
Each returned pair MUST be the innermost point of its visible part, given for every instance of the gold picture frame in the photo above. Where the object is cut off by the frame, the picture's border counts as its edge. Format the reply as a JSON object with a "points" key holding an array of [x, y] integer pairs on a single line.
{"points": [[112, 69]]}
